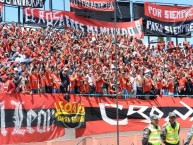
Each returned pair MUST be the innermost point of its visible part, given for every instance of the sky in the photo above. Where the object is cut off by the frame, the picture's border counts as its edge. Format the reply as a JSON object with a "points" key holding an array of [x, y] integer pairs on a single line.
{"points": [[12, 13]]}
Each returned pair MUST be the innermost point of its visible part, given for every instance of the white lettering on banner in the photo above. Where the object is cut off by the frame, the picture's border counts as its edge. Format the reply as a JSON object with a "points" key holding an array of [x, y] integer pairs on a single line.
{"points": [[18, 116], [155, 12], [90, 28], [27, 3], [178, 14], [3, 131], [67, 21], [138, 26], [29, 17], [49, 18], [31, 115], [141, 111], [185, 116], [152, 26], [43, 120], [15, 2], [41, 17], [59, 18], [159, 112], [40, 114], [48, 119], [175, 30], [93, 4], [103, 29], [130, 31], [8, 1], [72, 24], [118, 31], [107, 119], [124, 31]]}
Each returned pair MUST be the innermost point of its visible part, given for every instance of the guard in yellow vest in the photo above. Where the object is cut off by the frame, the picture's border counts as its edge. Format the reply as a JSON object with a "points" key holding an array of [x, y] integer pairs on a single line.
{"points": [[170, 131], [151, 134]]}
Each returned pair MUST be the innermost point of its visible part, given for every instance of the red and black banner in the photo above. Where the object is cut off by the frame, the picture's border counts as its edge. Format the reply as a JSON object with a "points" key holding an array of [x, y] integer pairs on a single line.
{"points": [[1, 12], [168, 20], [28, 118], [94, 5], [133, 113], [69, 19], [25, 3]]}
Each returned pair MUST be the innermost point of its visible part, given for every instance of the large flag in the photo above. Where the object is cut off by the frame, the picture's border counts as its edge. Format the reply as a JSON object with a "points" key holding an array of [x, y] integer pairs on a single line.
{"points": [[168, 20], [28, 118], [95, 5], [69, 19], [133, 113], [25, 3]]}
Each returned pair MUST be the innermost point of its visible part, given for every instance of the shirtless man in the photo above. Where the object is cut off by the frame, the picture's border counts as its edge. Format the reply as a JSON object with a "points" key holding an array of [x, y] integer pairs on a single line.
{"points": [[139, 83]]}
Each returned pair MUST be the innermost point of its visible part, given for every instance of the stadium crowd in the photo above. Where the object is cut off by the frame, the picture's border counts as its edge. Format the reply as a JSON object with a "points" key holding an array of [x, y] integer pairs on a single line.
{"points": [[70, 61]]}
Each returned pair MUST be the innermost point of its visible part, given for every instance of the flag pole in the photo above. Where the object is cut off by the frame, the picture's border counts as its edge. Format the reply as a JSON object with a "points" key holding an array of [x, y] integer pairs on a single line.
{"points": [[116, 68]]}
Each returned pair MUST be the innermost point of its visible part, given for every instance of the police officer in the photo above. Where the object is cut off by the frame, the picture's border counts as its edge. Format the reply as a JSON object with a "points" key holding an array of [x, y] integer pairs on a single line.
{"points": [[170, 131], [189, 137], [151, 134]]}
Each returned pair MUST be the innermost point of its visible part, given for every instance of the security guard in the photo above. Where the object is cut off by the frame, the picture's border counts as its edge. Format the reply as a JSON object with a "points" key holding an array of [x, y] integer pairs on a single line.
{"points": [[151, 134], [170, 131], [189, 137]]}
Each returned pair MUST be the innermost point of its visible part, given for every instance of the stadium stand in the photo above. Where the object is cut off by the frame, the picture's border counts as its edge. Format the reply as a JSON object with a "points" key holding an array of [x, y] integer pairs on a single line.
{"points": [[68, 61]]}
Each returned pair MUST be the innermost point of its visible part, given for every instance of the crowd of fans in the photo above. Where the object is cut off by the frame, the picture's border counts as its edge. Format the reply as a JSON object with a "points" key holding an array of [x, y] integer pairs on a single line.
{"points": [[69, 61]]}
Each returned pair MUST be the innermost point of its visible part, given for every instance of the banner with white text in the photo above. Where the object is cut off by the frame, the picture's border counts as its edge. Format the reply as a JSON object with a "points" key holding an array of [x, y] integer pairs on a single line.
{"points": [[25, 3], [28, 118], [133, 113], [94, 5], [69, 19], [168, 20]]}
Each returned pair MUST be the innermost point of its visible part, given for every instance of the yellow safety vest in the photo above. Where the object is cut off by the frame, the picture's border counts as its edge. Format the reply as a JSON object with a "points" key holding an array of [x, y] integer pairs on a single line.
{"points": [[154, 136], [172, 135]]}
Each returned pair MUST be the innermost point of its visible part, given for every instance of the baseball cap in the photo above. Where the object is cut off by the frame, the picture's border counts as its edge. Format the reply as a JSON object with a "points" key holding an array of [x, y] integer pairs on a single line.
{"points": [[154, 117], [172, 114]]}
